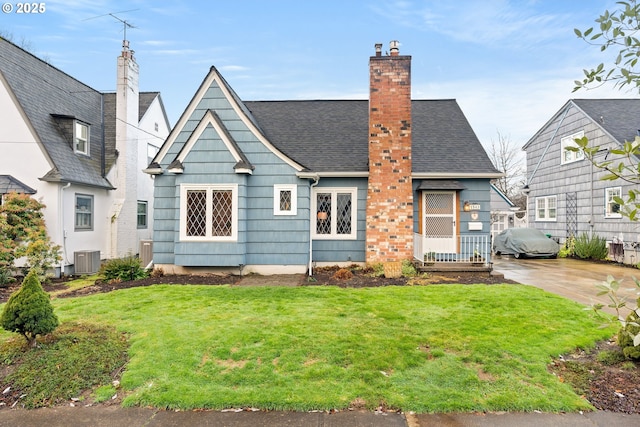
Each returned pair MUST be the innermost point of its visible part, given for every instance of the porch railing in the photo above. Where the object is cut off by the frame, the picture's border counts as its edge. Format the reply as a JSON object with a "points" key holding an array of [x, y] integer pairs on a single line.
{"points": [[474, 248]]}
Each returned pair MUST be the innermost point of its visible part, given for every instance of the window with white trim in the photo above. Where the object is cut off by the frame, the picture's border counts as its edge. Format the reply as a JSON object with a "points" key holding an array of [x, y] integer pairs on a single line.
{"points": [[81, 137], [142, 214], [546, 208], [612, 207], [285, 199], [336, 213], [84, 212], [570, 156], [209, 212]]}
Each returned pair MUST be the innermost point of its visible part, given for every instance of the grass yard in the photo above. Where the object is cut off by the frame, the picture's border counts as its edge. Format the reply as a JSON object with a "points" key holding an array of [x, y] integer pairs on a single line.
{"points": [[435, 348]]}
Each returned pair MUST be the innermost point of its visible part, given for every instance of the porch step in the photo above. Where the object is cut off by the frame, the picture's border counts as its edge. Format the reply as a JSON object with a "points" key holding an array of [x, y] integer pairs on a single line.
{"points": [[456, 267]]}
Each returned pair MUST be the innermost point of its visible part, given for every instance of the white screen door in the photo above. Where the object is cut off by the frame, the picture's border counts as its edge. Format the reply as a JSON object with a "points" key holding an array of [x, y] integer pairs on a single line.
{"points": [[439, 222]]}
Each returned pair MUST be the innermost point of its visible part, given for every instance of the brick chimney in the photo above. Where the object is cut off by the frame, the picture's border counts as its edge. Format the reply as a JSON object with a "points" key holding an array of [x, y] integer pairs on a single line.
{"points": [[389, 195]]}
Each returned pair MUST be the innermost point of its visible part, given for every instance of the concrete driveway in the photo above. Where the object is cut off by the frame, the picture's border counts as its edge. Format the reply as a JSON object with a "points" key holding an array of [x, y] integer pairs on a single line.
{"points": [[570, 278]]}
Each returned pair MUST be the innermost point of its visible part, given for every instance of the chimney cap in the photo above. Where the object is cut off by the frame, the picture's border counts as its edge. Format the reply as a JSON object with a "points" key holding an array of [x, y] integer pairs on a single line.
{"points": [[378, 49], [394, 47]]}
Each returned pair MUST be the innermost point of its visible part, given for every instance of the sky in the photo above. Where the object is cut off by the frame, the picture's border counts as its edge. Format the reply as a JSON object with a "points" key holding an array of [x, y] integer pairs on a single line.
{"points": [[509, 64]]}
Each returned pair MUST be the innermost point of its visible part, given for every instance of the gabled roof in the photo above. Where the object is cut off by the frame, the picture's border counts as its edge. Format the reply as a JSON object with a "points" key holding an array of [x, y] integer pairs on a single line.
{"points": [[333, 136], [43, 91], [10, 184], [619, 118]]}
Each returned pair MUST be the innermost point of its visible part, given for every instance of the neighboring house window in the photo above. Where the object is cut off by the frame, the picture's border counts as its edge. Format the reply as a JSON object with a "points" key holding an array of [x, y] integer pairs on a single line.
{"points": [[546, 208], [142, 214], [612, 207], [569, 156], [209, 212], [81, 137], [285, 199], [84, 212], [336, 210]]}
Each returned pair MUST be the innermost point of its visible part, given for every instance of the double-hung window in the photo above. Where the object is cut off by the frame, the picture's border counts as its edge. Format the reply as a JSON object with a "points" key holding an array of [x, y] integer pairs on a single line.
{"points": [[209, 212], [570, 156], [84, 212], [546, 208], [81, 137], [336, 213], [612, 207], [285, 199], [142, 214]]}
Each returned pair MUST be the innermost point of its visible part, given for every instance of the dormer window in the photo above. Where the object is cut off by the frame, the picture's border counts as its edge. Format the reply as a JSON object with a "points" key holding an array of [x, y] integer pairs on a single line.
{"points": [[81, 137]]}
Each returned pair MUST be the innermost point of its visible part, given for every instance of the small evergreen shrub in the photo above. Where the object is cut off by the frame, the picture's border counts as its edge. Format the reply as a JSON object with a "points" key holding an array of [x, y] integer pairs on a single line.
{"points": [[29, 310], [593, 247], [123, 269]]}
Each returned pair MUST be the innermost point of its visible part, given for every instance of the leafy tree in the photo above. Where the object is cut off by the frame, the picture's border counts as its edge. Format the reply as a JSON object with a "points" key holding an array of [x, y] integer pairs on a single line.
{"points": [[23, 234], [615, 30], [618, 30], [29, 310]]}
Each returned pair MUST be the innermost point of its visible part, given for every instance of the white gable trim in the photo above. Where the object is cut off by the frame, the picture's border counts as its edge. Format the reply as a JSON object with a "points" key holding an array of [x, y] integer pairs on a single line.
{"points": [[207, 120], [212, 77]]}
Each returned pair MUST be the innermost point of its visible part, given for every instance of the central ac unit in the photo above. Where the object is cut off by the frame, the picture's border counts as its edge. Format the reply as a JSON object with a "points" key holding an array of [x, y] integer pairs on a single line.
{"points": [[86, 262]]}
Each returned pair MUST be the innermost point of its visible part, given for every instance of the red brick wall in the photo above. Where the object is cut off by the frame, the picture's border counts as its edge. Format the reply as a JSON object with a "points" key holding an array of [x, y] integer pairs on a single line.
{"points": [[389, 195]]}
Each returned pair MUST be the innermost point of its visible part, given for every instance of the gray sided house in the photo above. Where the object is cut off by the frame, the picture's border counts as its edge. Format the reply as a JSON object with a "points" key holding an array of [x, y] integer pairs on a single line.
{"points": [[567, 196], [281, 186]]}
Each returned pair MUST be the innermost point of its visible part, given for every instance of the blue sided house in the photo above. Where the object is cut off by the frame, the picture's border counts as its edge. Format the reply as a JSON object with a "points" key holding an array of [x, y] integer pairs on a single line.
{"points": [[283, 186]]}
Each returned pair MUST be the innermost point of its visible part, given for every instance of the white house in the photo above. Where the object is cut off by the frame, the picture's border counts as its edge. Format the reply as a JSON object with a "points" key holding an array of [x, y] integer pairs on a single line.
{"points": [[81, 152]]}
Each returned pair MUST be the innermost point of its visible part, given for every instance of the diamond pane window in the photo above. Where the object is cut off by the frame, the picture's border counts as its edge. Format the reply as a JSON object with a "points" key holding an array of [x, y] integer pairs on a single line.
{"points": [[335, 213], [343, 225], [221, 209], [285, 199], [323, 222], [208, 212], [196, 213]]}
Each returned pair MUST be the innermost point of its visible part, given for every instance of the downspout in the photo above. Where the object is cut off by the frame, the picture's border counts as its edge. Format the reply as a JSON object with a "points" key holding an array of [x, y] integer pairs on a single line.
{"points": [[316, 179], [63, 233]]}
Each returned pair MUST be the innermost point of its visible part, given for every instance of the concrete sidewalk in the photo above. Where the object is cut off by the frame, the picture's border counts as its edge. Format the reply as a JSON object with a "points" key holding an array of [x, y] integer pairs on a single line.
{"points": [[114, 416]]}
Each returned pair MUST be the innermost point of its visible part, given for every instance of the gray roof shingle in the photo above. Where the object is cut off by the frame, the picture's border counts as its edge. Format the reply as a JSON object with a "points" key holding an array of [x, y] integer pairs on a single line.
{"points": [[43, 91], [10, 184], [619, 117], [332, 135], [46, 93]]}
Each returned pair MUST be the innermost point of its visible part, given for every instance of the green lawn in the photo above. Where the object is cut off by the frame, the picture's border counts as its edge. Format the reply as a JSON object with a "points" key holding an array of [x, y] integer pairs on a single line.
{"points": [[424, 348]]}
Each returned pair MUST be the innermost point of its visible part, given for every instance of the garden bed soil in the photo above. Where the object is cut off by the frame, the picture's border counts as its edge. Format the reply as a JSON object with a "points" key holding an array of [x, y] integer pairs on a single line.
{"points": [[608, 387]]}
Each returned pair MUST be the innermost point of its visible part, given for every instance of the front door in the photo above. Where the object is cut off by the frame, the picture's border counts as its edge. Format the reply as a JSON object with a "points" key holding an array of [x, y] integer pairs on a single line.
{"points": [[439, 222]]}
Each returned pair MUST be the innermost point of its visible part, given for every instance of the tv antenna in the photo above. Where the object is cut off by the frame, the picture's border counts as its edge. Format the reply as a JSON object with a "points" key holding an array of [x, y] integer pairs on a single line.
{"points": [[125, 23]]}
